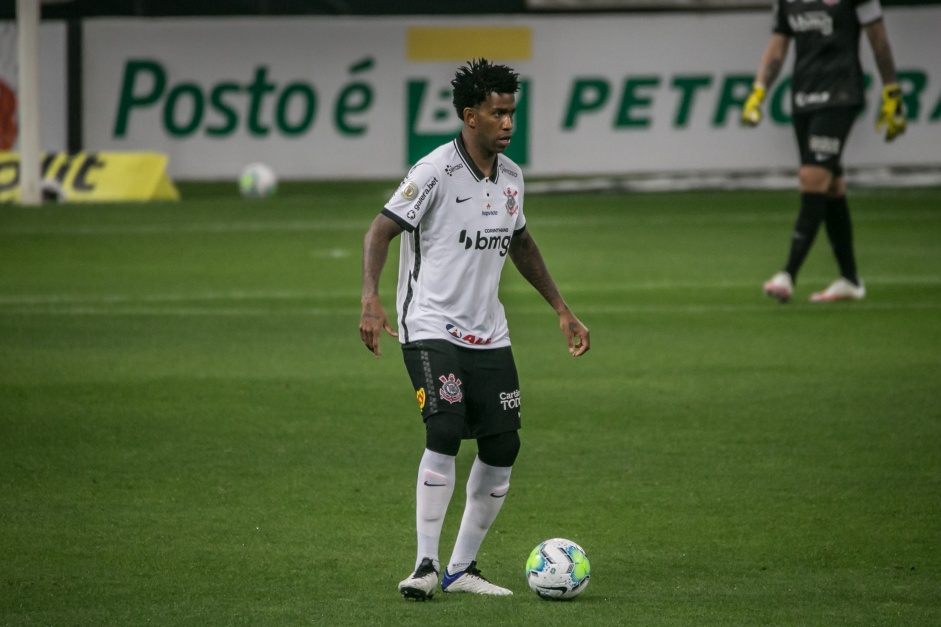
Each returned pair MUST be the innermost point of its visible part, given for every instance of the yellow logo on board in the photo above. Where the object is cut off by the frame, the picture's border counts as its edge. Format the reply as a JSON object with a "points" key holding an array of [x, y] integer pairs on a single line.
{"points": [[95, 176]]}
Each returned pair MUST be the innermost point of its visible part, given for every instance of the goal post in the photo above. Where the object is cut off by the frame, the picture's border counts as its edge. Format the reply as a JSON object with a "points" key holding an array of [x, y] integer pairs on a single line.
{"points": [[27, 23]]}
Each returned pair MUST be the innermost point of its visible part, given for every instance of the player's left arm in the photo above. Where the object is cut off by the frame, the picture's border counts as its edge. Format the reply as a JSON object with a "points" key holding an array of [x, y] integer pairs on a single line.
{"points": [[891, 114], [528, 260], [882, 52]]}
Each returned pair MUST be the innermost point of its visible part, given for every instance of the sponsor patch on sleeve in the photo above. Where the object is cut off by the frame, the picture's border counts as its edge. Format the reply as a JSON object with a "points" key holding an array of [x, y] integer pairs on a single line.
{"points": [[408, 190]]}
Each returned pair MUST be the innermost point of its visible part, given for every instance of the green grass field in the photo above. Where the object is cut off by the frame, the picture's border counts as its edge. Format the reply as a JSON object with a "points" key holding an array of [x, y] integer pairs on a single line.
{"points": [[191, 432]]}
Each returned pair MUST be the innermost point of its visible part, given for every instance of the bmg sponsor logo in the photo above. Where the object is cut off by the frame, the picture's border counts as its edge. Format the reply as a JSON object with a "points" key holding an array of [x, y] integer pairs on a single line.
{"points": [[811, 20], [489, 239]]}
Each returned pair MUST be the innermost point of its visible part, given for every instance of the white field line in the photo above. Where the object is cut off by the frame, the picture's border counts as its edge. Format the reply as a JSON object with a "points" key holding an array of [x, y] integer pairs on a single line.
{"points": [[198, 228], [720, 285], [352, 313], [285, 302], [859, 181], [763, 307], [352, 295], [302, 226], [120, 299], [222, 312]]}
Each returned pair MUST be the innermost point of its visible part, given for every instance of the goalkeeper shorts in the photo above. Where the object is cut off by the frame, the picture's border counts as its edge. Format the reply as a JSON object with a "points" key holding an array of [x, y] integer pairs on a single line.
{"points": [[821, 136]]}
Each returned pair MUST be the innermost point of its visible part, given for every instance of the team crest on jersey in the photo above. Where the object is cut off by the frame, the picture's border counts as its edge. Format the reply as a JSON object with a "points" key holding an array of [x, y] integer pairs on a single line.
{"points": [[450, 389], [512, 204], [420, 396]]}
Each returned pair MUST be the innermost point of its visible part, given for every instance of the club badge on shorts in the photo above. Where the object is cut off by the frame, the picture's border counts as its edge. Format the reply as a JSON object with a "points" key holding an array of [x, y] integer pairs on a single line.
{"points": [[450, 389]]}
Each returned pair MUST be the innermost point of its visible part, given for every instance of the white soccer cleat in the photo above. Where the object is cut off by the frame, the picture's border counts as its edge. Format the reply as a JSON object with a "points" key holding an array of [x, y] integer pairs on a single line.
{"points": [[780, 287], [470, 580], [841, 289], [422, 584]]}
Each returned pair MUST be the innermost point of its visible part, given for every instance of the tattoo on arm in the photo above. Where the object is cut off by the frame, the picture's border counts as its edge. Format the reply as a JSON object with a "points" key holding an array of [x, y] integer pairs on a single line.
{"points": [[368, 312], [528, 260]]}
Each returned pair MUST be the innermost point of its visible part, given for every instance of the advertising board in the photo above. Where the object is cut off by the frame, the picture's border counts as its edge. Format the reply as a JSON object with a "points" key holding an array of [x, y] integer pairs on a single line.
{"points": [[321, 98]]}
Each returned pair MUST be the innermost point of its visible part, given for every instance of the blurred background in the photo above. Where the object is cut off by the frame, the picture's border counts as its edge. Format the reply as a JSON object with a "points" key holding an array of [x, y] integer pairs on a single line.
{"points": [[192, 434], [358, 89]]}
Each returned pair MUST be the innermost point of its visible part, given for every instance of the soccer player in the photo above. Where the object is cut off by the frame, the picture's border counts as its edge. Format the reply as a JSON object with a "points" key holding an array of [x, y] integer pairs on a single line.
{"points": [[827, 95], [460, 213]]}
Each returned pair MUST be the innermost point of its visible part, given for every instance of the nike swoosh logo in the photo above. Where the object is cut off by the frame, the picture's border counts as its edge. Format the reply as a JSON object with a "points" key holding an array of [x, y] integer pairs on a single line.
{"points": [[498, 496], [463, 199], [435, 485]]}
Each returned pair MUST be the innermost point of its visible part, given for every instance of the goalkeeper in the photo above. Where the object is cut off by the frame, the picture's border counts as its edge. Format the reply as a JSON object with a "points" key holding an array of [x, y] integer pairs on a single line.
{"points": [[827, 95]]}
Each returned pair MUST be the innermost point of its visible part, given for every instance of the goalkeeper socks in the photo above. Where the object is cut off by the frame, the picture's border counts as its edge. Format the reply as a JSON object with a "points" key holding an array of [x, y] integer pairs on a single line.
{"points": [[486, 488], [436, 476], [840, 231], [813, 209]]}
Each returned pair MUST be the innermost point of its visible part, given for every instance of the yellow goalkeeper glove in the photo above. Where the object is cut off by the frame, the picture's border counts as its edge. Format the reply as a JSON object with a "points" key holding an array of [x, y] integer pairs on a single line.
{"points": [[751, 112], [892, 115]]}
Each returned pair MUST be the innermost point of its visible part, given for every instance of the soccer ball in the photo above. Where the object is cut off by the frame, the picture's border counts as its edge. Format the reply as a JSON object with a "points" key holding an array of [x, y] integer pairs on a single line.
{"points": [[258, 181], [558, 569], [52, 191]]}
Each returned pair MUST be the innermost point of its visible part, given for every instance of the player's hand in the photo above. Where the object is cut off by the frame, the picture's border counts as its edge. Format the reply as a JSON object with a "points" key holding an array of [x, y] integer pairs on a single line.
{"points": [[751, 112], [892, 114], [576, 333], [371, 323]]}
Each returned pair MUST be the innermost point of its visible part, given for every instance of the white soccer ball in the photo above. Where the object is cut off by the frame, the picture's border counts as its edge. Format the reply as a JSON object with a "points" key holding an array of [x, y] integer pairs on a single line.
{"points": [[558, 569], [258, 181], [52, 191]]}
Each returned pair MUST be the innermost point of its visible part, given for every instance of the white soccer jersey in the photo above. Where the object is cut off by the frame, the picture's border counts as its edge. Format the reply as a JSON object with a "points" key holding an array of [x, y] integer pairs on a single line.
{"points": [[458, 225]]}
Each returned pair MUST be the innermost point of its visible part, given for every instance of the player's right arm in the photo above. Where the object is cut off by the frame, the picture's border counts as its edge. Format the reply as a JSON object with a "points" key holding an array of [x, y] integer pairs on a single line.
{"points": [[375, 252], [768, 69]]}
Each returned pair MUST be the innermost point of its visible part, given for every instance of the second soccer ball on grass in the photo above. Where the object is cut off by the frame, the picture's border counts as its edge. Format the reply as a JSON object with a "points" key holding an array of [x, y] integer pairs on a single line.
{"points": [[258, 181]]}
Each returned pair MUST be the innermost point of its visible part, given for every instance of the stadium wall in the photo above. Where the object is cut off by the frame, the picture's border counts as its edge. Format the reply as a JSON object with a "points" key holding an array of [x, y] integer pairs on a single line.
{"points": [[325, 98]]}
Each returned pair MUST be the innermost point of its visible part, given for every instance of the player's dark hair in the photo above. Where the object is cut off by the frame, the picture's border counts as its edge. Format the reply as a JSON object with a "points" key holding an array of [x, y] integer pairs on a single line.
{"points": [[474, 82]]}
